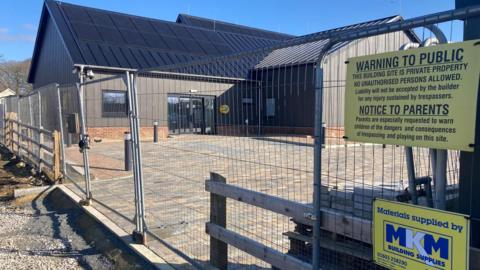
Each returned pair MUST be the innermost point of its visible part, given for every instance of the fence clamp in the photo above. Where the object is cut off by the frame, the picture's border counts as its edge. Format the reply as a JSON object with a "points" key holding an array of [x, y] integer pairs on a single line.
{"points": [[83, 143], [310, 216]]}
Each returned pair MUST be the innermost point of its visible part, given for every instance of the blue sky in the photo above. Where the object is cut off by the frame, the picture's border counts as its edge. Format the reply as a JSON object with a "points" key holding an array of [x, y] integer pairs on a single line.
{"points": [[19, 20]]}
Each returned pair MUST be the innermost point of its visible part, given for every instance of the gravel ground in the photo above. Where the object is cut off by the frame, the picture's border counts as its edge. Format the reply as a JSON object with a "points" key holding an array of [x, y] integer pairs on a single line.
{"points": [[32, 237]]}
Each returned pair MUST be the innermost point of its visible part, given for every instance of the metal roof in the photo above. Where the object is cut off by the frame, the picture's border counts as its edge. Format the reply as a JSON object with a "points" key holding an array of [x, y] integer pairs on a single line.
{"points": [[309, 52], [221, 26], [105, 38], [300, 50]]}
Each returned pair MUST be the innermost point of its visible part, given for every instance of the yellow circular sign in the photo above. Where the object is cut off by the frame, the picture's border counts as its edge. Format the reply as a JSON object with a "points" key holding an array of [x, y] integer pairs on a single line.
{"points": [[225, 109]]}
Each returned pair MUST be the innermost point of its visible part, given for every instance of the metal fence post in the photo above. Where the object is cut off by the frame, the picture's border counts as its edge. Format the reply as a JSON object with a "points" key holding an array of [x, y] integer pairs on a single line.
{"points": [[30, 131], [218, 216], [139, 233], [412, 187], [135, 171], [317, 159], [40, 134], [60, 121], [19, 121], [4, 108], [84, 139]]}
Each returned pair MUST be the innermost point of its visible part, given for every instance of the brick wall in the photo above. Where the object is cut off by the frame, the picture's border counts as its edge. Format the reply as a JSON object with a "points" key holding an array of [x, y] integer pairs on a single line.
{"points": [[146, 133], [331, 132], [117, 133]]}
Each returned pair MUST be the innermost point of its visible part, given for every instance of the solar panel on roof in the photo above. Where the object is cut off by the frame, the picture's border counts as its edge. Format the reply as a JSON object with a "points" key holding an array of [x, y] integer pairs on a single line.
{"points": [[162, 28], [198, 34], [250, 42], [209, 48], [120, 57], [100, 18], [86, 31], [228, 40], [173, 43], [76, 14], [122, 22], [150, 61], [97, 54], [139, 58], [128, 55], [110, 35], [155, 41], [223, 48], [133, 38], [214, 37], [144, 26], [159, 60], [109, 56], [180, 31], [192, 46], [86, 53], [236, 39], [166, 58]]}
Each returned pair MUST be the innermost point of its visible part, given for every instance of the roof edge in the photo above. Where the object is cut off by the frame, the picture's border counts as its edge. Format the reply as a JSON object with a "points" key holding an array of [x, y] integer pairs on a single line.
{"points": [[46, 13], [181, 15]]}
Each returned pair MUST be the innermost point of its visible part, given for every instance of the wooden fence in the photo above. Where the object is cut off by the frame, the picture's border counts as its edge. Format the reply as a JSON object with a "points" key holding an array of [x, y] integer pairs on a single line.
{"points": [[37, 146]]}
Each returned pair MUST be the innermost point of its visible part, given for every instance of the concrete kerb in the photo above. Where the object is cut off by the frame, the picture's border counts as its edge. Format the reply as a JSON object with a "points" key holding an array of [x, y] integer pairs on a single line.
{"points": [[141, 250], [20, 192]]}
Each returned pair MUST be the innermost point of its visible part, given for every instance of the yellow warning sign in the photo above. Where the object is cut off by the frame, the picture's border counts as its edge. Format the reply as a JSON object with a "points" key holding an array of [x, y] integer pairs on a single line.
{"points": [[413, 237], [421, 97]]}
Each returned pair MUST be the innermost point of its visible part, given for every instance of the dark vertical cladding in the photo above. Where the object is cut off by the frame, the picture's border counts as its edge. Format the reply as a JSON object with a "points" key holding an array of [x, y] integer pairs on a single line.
{"points": [[54, 64], [291, 89]]}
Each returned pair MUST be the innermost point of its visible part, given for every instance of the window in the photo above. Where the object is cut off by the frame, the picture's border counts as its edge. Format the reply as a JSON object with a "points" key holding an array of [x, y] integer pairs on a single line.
{"points": [[114, 103]]}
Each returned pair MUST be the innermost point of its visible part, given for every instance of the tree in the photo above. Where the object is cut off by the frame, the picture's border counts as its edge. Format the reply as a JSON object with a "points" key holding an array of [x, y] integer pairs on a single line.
{"points": [[14, 75]]}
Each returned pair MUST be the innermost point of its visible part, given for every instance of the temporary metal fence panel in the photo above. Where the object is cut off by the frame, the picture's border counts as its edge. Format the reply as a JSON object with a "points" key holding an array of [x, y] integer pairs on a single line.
{"points": [[68, 110], [264, 130], [258, 135], [24, 133], [106, 121]]}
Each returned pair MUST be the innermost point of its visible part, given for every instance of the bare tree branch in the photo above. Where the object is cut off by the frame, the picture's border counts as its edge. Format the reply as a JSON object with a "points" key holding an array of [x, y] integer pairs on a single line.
{"points": [[13, 74]]}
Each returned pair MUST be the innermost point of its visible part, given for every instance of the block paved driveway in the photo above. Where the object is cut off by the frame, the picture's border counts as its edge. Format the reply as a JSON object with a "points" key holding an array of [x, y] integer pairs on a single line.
{"points": [[177, 205]]}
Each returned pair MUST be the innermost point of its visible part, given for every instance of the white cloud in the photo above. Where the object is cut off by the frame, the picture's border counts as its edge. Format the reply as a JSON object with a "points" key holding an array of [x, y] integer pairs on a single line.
{"points": [[29, 26], [6, 36]]}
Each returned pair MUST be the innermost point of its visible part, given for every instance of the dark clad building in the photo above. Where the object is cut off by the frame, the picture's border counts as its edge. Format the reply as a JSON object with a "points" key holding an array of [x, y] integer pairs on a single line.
{"points": [[110, 43]]}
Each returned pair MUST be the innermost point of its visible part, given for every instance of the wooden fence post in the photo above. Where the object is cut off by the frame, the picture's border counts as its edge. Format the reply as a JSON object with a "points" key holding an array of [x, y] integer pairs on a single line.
{"points": [[218, 216], [17, 136], [8, 133], [56, 155]]}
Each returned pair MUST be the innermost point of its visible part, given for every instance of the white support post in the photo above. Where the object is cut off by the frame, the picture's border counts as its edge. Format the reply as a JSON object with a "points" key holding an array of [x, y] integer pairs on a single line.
{"points": [[40, 134], [84, 144], [62, 138], [139, 233]]}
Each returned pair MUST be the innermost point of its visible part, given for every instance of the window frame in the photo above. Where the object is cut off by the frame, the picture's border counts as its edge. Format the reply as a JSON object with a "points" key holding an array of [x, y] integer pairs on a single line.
{"points": [[122, 114]]}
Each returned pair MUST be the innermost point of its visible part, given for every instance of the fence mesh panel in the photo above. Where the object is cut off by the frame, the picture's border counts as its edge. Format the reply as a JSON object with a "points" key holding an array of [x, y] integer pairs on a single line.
{"points": [[68, 101], [249, 118]]}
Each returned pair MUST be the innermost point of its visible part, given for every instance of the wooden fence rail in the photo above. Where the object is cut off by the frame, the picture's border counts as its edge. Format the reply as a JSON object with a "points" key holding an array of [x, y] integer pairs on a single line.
{"points": [[331, 221], [37, 146], [220, 237]]}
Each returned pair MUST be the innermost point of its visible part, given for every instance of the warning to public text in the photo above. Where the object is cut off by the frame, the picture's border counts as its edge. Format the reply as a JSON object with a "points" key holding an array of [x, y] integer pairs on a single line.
{"points": [[421, 97]]}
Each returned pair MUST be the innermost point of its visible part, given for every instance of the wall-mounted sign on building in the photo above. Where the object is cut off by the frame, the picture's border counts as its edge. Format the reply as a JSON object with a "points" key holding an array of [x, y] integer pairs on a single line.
{"points": [[270, 107], [421, 97], [224, 109], [407, 236]]}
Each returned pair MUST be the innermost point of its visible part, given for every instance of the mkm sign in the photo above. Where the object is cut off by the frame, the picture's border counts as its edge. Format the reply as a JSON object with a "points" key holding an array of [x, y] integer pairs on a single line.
{"points": [[413, 237]]}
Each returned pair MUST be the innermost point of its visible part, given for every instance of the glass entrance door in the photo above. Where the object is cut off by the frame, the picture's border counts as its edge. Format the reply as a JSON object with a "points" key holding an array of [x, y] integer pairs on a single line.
{"points": [[191, 114]]}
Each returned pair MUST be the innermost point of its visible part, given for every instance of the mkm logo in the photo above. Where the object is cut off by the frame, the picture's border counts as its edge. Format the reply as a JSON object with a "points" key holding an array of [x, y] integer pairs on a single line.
{"points": [[417, 244]]}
